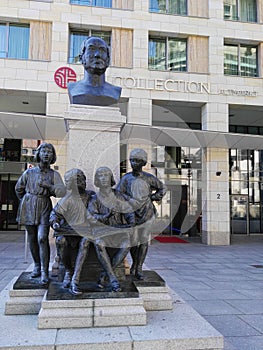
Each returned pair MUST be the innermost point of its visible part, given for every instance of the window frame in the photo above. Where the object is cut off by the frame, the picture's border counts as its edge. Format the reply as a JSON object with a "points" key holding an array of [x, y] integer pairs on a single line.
{"points": [[90, 5], [239, 63], [7, 37], [166, 41], [238, 12], [167, 9]]}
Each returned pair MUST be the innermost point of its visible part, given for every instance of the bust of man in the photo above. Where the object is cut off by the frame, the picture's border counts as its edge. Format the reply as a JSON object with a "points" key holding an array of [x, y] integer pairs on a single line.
{"points": [[93, 89]]}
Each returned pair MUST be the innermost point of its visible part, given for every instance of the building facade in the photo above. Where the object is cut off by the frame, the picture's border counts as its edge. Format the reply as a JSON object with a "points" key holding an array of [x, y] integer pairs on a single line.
{"points": [[191, 74]]}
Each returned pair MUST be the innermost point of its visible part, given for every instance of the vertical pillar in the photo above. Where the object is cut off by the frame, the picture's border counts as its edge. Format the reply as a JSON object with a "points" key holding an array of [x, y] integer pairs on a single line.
{"points": [[215, 177]]}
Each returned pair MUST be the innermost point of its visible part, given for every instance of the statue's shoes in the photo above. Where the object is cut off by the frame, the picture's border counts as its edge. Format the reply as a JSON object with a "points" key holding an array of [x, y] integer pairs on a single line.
{"points": [[139, 275], [100, 285], [102, 281], [115, 286], [132, 270], [74, 288], [67, 280], [44, 278], [36, 272]]}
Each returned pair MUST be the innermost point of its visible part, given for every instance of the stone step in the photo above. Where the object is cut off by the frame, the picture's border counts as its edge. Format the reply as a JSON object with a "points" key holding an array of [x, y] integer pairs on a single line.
{"points": [[81, 313]]}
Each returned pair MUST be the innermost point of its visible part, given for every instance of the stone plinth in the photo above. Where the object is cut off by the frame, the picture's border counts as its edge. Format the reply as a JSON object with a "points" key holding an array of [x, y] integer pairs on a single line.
{"points": [[154, 292], [156, 298], [94, 139], [24, 302], [85, 313], [25, 296]]}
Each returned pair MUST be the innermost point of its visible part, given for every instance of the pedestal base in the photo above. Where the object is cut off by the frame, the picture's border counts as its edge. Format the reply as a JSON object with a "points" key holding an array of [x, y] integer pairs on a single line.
{"points": [[25, 296], [180, 329]]}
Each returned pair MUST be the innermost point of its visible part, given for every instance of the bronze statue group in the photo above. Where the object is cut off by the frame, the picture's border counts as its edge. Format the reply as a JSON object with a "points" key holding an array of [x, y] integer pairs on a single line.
{"points": [[119, 216]]}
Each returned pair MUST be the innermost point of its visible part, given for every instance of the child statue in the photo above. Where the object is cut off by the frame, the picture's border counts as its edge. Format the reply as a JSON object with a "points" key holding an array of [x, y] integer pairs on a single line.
{"points": [[69, 221], [146, 189], [34, 189]]}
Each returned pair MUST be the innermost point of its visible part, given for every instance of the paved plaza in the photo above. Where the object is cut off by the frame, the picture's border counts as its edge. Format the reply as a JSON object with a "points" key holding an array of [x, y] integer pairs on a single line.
{"points": [[223, 283]]}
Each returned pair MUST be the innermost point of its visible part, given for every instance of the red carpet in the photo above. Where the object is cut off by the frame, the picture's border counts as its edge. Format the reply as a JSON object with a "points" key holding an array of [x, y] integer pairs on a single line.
{"points": [[170, 239]]}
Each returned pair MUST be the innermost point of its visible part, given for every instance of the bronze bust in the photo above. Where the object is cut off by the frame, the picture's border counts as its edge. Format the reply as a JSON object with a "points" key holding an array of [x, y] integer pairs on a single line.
{"points": [[93, 89]]}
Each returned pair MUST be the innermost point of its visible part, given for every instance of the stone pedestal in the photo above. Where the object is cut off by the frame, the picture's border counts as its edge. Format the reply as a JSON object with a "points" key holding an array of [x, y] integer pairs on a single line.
{"points": [[25, 296], [85, 313], [24, 301], [94, 139]]}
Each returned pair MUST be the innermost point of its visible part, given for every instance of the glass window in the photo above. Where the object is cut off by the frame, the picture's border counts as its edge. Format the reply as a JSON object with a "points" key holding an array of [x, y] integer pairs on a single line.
{"points": [[243, 10], [76, 39], [240, 60], [99, 3], [230, 9], [167, 54], [157, 54], [248, 61], [3, 34], [172, 7], [231, 60], [14, 40], [177, 55]]}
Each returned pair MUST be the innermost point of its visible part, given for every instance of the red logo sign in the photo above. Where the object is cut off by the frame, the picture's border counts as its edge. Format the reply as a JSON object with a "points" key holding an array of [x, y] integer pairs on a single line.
{"points": [[63, 76]]}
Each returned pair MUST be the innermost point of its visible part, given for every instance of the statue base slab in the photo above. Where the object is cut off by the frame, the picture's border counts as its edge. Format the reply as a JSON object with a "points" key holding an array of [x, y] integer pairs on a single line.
{"points": [[26, 295]]}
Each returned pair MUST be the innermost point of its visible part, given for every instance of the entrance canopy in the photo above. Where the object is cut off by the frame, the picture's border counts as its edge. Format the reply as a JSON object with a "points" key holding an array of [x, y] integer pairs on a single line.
{"points": [[30, 126], [176, 137]]}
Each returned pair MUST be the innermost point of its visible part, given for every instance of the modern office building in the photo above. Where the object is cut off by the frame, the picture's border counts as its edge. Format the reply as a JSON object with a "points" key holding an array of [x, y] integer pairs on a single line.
{"points": [[191, 74]]}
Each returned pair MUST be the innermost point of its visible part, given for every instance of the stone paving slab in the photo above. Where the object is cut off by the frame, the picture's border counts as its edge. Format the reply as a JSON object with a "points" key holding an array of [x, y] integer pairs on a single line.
{"points": [[232, 326], [213, 307], [246, 343]]}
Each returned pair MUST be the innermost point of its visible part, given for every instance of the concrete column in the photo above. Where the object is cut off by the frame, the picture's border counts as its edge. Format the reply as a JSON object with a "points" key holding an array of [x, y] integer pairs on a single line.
{"points": [[94, 139], [215, 181]]}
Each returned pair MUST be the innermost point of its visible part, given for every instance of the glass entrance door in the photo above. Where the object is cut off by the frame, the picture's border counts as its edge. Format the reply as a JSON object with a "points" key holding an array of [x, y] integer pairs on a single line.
{"points": [[239, 214]]}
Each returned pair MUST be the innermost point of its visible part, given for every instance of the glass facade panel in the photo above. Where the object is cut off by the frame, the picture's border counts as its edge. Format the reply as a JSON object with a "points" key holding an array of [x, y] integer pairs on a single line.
{"points": [[243, 10], [245, 191], [177, 55], [240, 60], [3, 35], [248, 61], [10, 36], [157, 54], [180, 169], [230, 9], [157, 6], [248, 10], [99, 3], [172, 7], [231, 60], [76, 39], [177, 7]]}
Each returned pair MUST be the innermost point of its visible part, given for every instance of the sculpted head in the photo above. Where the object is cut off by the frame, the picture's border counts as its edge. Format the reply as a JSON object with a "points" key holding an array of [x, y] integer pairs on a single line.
{"points": [[95, 55], [45, 148], [75, 179], [138, 159], [104, 177]]}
